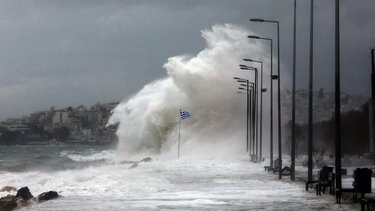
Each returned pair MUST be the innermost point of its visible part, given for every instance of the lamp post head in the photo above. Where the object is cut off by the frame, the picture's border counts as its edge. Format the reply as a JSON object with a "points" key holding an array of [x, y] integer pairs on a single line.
{"points": [[257, 20], [253, 37], [244, 67], [264, 90], [248, 60], [236, 78]]}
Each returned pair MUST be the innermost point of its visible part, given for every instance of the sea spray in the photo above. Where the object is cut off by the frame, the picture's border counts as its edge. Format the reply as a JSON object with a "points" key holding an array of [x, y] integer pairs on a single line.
{"points": [[204, 86]]}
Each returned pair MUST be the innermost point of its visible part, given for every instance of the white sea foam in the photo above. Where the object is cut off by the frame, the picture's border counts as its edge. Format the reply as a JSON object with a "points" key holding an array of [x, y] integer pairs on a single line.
{"points": [[107, 155], [184, 184], [203, 85]]}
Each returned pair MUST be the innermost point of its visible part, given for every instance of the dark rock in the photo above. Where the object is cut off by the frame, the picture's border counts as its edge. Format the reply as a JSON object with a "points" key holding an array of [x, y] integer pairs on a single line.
{"points": [[8, 203], [24, 194], [8, 189], [148, 159], [47, 196]]}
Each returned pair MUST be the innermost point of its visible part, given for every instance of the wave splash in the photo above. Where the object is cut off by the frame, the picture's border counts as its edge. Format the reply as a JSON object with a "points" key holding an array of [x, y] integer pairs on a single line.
{"points": [[201, 84]]}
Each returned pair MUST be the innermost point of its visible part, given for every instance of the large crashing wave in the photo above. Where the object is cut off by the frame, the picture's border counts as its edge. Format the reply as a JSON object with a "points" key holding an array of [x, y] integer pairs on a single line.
{"points": [[204, 86]]}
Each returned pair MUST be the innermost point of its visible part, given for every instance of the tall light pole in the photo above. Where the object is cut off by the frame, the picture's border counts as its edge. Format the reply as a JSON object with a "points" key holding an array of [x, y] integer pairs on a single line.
{"points": [[251, 89], [262, 89], [255, 125], [372, 104], [241, 80], [252, 114], [337, 97], [293, 141], [248, 85], [271, 95], [311, 70], [278, 85]]}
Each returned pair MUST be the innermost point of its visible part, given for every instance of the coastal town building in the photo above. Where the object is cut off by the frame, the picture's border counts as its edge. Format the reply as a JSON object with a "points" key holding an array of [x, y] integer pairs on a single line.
{"points": [[71, 125]]}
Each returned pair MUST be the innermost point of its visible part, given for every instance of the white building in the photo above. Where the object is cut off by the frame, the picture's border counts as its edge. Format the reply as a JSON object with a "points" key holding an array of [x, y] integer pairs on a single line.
{"points": [[60, 118]]}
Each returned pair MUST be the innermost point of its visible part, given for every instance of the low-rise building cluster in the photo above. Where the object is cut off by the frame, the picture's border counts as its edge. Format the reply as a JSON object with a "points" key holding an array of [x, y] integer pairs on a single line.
{"points": [[71, 125]]}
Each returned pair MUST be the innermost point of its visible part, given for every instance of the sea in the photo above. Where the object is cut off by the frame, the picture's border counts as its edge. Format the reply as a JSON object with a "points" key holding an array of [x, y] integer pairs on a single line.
{"points": [[93, 177], [50, 158]]}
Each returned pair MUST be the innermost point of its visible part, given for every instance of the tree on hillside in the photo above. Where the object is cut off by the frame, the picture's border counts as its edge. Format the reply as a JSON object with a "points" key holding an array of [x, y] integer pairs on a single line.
{"points": [[354, 134]]}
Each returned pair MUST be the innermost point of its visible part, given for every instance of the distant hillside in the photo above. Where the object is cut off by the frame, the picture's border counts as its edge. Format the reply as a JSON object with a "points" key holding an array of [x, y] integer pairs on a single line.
{"points": [[323, 104], [354, 134]]}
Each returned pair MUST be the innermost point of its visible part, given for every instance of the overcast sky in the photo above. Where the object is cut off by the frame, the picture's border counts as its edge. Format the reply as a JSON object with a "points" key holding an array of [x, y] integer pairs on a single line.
{"points": [[71, 52]]}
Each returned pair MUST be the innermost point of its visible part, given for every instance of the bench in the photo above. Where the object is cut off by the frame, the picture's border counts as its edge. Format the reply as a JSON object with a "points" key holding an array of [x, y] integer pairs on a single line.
{"points": [[326, 179], [323, 177], [361, 184], [286, 171]]}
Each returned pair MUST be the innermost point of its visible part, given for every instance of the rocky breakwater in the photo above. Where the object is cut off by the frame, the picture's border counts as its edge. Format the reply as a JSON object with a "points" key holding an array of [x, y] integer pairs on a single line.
{"points": [[23, 198]]}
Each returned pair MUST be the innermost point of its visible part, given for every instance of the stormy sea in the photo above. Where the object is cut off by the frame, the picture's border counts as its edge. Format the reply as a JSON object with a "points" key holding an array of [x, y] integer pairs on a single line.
{"points": [[90, 178], [144, 172]]}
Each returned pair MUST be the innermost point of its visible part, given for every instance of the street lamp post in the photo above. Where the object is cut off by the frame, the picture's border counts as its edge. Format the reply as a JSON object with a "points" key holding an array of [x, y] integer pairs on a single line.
{"points": [[271, 95], [311, 68], [261, 106], [252, 114], [247, 115], [255, 110], [278, 85], [372, 104], [337, 97], [248, 86], [293, 141]]}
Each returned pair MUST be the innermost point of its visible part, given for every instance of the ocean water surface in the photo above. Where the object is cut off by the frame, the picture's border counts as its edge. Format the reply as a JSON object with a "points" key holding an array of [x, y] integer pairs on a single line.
{"points": [[93, 178]]}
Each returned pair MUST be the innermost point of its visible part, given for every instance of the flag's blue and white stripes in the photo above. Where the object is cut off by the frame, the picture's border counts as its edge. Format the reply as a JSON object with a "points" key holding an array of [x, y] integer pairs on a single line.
{"points": [[184, 115]]}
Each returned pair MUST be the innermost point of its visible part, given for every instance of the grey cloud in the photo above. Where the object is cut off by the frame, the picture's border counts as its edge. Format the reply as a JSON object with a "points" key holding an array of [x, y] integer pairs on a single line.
{"points": [[60, 53]]}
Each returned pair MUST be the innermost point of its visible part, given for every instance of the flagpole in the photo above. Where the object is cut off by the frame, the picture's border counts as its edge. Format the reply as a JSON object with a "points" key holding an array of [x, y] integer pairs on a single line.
{"points": [[179, 136]]}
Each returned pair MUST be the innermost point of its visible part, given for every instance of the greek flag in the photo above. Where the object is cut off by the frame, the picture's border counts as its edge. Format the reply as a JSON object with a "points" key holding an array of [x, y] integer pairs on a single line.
{"points": [[184, 115]]}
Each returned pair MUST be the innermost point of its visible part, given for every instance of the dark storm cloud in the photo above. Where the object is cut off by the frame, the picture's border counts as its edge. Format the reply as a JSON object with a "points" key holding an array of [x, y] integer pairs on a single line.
{"points": [[60, 53]]}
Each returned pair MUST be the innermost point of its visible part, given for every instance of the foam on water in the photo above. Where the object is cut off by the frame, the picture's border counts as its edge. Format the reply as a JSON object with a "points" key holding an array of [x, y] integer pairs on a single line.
{"points": [[116, 180], [184, 184], [106, 155]]}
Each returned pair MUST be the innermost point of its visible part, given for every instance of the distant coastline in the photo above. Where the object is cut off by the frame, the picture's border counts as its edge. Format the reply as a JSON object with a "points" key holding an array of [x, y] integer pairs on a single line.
{"points": [[71, 125]]}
